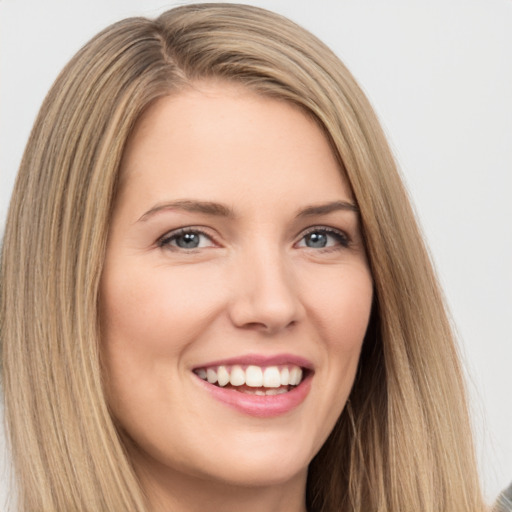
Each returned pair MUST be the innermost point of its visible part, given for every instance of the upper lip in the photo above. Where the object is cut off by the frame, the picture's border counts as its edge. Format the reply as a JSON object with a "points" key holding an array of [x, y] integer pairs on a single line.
{"points": [[260, 360]]}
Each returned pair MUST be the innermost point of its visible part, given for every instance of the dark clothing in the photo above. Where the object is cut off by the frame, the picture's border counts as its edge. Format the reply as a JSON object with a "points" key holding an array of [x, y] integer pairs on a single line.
{"points": [[504, 501]]}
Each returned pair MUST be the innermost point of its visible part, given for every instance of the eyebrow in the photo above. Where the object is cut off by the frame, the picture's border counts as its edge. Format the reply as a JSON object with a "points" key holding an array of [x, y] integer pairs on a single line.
{"points": [[206, 207], [220, 210], [324, 209]]}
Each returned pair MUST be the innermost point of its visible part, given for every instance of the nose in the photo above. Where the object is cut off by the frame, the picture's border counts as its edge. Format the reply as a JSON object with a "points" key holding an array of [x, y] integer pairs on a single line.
{"points": [[265, 295]]}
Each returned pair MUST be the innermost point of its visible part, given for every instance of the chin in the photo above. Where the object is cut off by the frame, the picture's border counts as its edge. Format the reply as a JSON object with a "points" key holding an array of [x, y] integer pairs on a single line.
{"points": [[252, 473]]}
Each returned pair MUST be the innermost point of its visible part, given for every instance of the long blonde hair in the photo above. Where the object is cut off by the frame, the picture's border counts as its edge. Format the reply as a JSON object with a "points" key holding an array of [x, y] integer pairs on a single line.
{"points": [[403, 442]]}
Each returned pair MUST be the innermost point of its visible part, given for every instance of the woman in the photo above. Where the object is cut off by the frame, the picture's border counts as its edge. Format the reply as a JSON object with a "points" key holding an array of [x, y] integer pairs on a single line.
{"points": [[207, 202]]}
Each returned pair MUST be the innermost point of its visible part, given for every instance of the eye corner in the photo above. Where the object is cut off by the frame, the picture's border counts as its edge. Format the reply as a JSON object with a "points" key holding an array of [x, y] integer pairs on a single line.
{"points": [[190, 239], [323, 237]]}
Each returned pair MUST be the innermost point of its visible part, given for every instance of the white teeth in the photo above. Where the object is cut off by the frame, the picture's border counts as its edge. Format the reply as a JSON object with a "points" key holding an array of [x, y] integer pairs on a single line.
{"points": [[267, 392], [211, 375], [222, 376], [237, 377], [272, 377], [295, 376], [254, 376]]}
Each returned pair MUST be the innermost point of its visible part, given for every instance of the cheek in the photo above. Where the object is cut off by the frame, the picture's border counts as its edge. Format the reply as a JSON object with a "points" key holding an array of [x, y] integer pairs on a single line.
{"points": [[340, 303], [156, 311], [350, 315], [150, 318]]}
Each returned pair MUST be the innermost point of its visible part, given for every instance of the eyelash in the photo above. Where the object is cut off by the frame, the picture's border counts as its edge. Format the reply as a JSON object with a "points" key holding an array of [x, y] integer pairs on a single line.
{"points": [[165, 241], [342, 238]]}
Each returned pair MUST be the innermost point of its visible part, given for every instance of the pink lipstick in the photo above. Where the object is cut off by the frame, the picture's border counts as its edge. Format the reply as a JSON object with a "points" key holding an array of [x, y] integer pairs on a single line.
{"points": [[258, 385]]}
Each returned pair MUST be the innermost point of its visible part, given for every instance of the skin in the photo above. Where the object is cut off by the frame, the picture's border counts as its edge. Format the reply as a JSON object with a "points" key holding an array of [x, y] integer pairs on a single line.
{"points": [[253, 285]]}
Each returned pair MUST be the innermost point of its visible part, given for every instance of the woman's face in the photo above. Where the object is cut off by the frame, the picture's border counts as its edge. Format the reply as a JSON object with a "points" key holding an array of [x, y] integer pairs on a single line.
{"points": [[236, 291]]}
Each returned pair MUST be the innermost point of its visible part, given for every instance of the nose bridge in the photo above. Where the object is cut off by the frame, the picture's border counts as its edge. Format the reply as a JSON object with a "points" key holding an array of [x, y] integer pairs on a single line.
{"points": [[265, 295]]}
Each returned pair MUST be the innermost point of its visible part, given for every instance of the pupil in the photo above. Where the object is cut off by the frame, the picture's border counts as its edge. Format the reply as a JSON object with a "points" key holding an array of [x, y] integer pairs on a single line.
{"points": [[188, 241], [316, 240]]}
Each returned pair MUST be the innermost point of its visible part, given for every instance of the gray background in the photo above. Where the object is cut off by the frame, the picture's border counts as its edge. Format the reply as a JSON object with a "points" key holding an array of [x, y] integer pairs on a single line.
{"points": [[439, 74]]}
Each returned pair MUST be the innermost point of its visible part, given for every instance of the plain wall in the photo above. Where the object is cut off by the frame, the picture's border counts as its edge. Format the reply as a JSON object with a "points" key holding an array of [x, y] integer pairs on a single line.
{"points": [[439, 74]]}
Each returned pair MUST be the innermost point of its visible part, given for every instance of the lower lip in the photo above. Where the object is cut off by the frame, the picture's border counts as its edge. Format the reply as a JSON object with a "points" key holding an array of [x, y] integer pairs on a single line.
{"points": [[261, 406]]}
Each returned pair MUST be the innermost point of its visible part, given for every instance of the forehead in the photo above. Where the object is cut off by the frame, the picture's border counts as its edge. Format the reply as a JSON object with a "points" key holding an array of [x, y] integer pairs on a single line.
{"points": [[213, 134]]}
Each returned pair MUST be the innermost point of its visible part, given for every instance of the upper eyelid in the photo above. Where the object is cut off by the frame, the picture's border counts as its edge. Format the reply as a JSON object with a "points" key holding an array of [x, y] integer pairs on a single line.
{"points": [[327, 229], [183, 230], [344, 240]]}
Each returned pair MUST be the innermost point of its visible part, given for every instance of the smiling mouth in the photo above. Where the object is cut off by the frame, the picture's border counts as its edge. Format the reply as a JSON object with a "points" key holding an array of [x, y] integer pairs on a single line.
{"points": [[253, 380]]}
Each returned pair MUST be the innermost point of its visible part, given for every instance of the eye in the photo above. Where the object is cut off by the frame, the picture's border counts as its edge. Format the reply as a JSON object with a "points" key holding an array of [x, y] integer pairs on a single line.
{"points": [[324, 238], [186, 238]]}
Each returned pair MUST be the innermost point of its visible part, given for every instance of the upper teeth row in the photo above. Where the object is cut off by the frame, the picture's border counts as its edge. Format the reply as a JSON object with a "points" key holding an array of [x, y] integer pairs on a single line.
{"points": [[252, 376]]}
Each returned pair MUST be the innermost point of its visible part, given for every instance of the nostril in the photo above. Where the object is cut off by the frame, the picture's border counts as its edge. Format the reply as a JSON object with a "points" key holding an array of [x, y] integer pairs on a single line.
{"points": [[254, 326], [267, 328]]}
